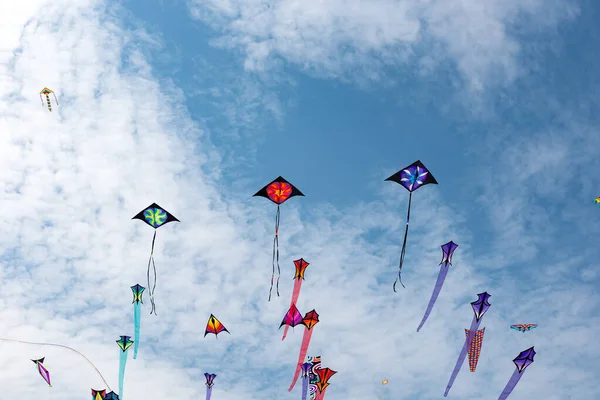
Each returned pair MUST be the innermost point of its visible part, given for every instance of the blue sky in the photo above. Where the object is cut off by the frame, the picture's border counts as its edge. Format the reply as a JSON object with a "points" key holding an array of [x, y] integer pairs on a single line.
{"points": [[196, 105]]}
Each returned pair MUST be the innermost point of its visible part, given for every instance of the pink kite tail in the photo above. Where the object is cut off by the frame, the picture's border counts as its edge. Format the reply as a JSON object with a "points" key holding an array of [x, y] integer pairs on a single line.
{"points": [[295, 295], [321, 395], [301, 356]]}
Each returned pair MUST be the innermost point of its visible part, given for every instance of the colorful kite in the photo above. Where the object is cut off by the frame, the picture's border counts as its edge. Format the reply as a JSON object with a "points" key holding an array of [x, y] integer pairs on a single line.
{"points": [[98, 394], [278, 191], [597, 200], [46, 92], [447, 250], [480, 307], [209, 384], [523, 327], [111, 396], [214, 326], [475, 349], [310, 319], [55, 345], [522, 361], [155, 216], [411, 178], [292, 318], [42, 370], [324, 375], [313, 378], [138, 291], [124, 344], [298, 278]]}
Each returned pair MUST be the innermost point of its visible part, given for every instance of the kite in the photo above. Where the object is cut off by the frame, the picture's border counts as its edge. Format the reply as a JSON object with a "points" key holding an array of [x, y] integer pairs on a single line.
{"points": [[324, 375], [383, 383], [278, 191], [480, 307], [46, 92], [306, 367], [42, 370], [411, 178], [138, 291], [597, 200], [475, 349], [214, 326], [209, 384], [124, 344], [313, 378], [522, 361], [56, 345], [292, 318], [111, 396], [155, 216], [447, 250], [98, 394], [298, 278], [310, 319], [523, 327]]}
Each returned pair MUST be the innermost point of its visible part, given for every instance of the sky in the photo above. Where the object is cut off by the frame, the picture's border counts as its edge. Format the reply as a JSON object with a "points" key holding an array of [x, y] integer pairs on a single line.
{"points": [[196, 105]]}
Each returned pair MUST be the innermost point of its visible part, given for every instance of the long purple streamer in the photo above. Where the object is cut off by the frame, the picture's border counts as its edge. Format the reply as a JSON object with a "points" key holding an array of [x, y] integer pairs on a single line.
{"points": [[512, 382], [436, 291], [208, 392], [304, 387], [463, 354]]}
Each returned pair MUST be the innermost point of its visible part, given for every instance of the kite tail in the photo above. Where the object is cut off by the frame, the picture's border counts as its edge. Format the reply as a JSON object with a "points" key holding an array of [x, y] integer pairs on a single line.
{"points": [[514, 379], [151, 261], [208, 393], [320, 395], [462, 355], [137, 315], [122, 363], [295, 295], [64, 347], [301, 356], [436, 291], [475, 348], [48, 101], [399, 277], [304, 387], [276, 254]]}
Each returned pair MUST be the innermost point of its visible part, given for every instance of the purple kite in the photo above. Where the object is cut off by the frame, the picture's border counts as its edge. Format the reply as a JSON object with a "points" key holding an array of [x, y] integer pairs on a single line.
{"points": [[306, 369], [209, 384], [522, 361], [480, 307], [447, 250], [411, 178], [42, 370]]}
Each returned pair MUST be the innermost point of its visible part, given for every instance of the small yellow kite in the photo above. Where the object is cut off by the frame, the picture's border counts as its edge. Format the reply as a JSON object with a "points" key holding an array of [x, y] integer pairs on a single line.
{"points": [[47, 91]]}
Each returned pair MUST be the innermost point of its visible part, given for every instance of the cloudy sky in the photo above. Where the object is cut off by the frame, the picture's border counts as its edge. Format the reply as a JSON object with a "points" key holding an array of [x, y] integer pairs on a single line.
{"points": [[197, 104]]}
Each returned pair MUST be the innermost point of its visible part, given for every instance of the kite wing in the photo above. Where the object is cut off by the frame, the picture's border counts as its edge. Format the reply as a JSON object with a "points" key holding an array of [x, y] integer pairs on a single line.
{"points": [[214, 326]]}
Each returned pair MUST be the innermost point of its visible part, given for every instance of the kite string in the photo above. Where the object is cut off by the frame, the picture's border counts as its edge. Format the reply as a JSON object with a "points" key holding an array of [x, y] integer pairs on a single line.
{"points": [[151, 260], [63, 346], [275, 253], [399, 277]]}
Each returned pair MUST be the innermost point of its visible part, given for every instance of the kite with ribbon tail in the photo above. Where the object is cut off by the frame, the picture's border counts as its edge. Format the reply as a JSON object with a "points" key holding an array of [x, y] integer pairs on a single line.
{"points": [[138, 291], [324, 375], [480, 307], [411, 178], [309, 321], [383, 384], [44, 373], [447, 251], [209, 384], [300, 266], [278, 191], [45, 91], [98, 394], [124, 344], [40, 361], [155, 216], [522, 361]]}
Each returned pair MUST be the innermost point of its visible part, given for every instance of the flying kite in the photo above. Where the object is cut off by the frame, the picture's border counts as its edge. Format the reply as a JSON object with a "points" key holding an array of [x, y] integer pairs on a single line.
{"points": [[480, 307], [138, 291], [214, 326], [475, 349], [597, 200], [111, 396], [155, 216], [306, 368], [124, 344], [522, 361], [310, 319], [447, 251], [292, 318], [55, 345], [209, 384], [300, 266], [324, 375], [42, 370], [383, 383], [46, 92], [278, 191], [411, 178], [523, 327], [98, 394]]}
